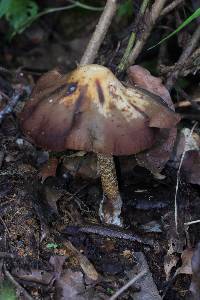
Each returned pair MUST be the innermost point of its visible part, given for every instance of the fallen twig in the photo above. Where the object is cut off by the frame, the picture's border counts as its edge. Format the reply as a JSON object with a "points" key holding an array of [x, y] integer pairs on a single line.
{"points": [[127, 285], [193, 102], [191, 222], [108, 231], [184, 56], [186, 103], [17, 285], [7, 255], [170, 7], [85, 264], [10, 106], [178, 177]]}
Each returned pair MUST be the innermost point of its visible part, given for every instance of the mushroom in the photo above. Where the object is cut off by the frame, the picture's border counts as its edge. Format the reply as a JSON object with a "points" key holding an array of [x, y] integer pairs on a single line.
{"points": [[90, 109]]}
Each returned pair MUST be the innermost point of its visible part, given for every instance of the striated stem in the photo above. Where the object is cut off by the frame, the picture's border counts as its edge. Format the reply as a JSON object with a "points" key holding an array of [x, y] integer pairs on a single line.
{"points": [[110, 208]]}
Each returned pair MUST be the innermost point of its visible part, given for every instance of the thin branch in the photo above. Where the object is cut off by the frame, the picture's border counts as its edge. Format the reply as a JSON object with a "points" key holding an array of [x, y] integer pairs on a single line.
{"points": [[127, 285], [190, 66], [170, 7], [184, 56], [186, 103], [10, 106], [84, 262], [17, 285], [123, 63], [85, 6], [178, 176], [191, 222], [154, 15], [61, 8], [99, 33]]}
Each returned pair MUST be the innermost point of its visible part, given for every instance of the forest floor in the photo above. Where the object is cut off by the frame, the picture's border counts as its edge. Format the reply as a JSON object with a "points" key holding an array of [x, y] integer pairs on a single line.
{"points": [[52, 243]]}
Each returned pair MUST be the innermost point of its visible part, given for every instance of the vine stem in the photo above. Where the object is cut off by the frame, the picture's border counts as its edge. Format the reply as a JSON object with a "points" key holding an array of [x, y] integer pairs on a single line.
{"points": [[154, 14], [123, 63]]}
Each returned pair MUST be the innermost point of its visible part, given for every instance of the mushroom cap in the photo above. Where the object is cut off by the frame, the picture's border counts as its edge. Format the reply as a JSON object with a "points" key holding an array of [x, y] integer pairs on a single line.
{"points": [[90, 109]]}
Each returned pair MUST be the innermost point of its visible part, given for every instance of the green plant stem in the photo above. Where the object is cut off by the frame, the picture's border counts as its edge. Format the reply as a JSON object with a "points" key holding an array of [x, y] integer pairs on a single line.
{"points": [[88, 7], [144, 6], [53, 9], [152, 17], [75, 4], [56, 9], [123, 63]]}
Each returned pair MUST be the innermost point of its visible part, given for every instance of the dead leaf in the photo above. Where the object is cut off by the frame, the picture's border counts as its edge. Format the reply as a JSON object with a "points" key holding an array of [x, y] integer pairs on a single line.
{"points": [[152, 226], [70, 286], [154, 159], [57, 261], [142, 77], [170, 261], [49, 169], [51, 193], [146, 286], [186, 267], [77, 154], [185, 142], [191, 166], [38, 276], [85, 264], [176, 242], [190, 146], [81, 166]]}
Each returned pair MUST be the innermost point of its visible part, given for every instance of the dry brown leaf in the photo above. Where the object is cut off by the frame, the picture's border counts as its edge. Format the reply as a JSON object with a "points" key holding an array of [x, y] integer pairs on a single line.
{"points": [[81, 166], [142, 77], [70, 286], [37, 276], [49, 169], [170, 261], [85, 264], [191, 166], [186, 267], [156, 157]]}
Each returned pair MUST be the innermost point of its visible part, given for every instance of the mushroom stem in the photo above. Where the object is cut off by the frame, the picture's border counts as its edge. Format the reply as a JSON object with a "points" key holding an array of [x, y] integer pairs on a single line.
{"points": [[110, 208], [111, 204]]}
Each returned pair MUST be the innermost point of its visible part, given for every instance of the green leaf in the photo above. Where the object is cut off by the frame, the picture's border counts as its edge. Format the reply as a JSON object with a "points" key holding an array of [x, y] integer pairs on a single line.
{"points": [[125, 9], [20, 11], [52, 246], [195, 15], [4, 7], [7, 292]]}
